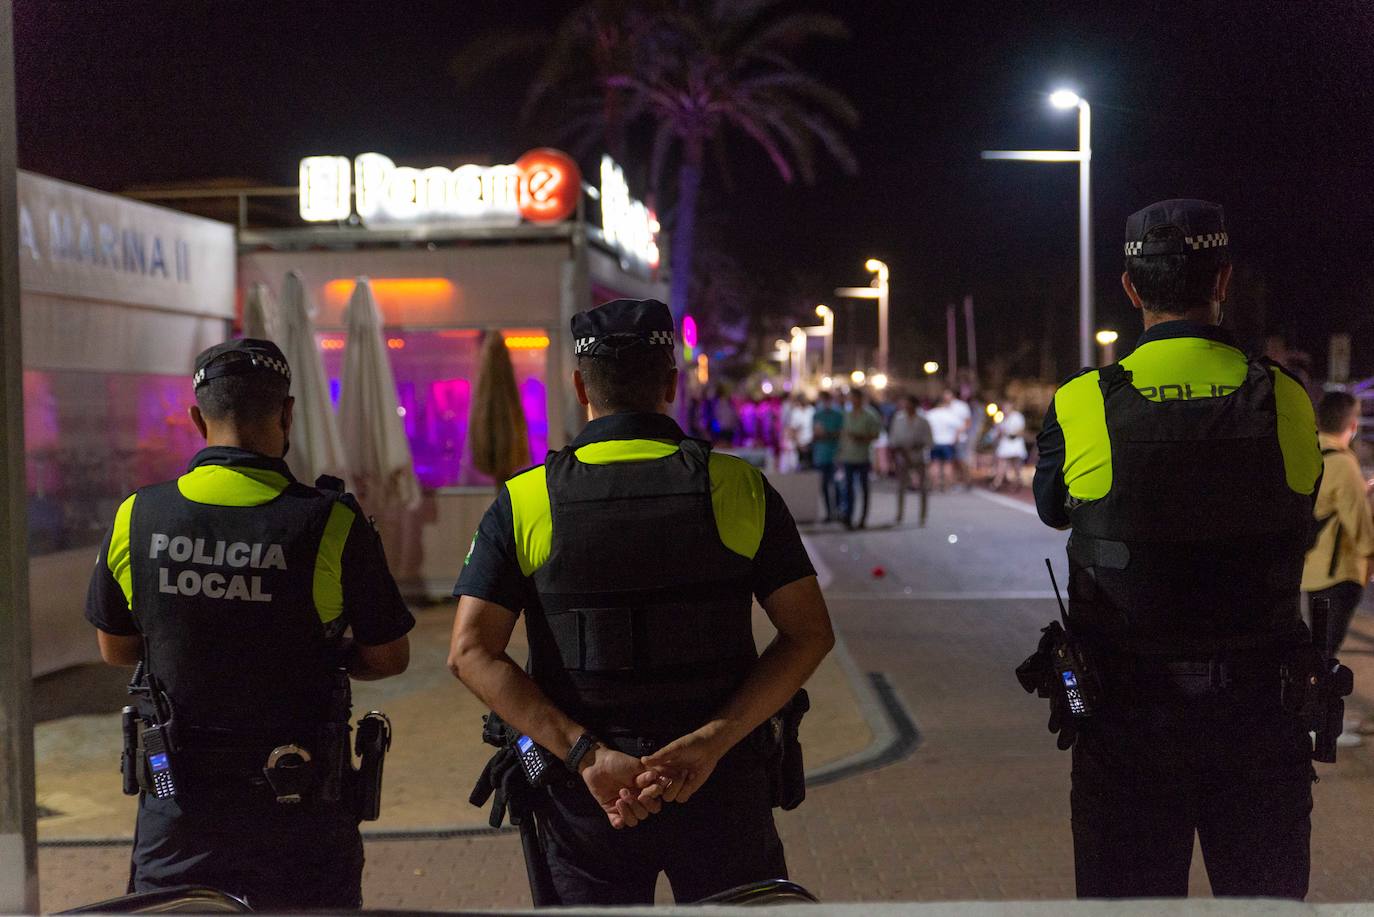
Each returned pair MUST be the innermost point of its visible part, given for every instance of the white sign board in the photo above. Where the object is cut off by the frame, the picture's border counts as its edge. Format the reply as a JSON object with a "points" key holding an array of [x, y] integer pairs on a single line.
{"points": [[77, 243]]}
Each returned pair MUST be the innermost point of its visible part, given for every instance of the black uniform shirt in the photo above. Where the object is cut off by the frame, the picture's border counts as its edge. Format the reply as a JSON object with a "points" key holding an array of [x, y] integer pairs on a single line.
{"points": [[372, 603], [492, 570]]}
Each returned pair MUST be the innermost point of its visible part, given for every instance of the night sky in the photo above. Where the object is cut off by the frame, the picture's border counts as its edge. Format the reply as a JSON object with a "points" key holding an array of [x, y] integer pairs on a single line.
{"points": [[1265, 107]]}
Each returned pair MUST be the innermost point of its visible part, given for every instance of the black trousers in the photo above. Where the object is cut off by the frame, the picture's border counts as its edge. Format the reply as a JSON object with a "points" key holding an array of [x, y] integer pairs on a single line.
{"points": [[275, 857], [722, 838], [1345, 598], [1232, 768]]}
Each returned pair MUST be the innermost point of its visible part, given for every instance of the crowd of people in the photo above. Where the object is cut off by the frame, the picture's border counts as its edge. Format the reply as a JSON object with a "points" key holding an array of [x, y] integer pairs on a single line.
{"points": [[925, 444]]}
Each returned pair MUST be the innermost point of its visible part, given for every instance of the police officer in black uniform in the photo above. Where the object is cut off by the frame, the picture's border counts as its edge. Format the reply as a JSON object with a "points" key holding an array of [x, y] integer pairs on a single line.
{"points": [[233, 587], [1187, 473], [635, 554]]}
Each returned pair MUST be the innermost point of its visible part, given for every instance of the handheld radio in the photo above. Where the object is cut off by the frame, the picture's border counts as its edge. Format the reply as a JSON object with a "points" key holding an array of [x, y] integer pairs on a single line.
{"points": [[1069, 664]]}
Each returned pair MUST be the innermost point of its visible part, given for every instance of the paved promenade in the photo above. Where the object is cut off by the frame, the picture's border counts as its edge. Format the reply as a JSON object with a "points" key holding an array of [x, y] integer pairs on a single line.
{"points": [[979, 809]]}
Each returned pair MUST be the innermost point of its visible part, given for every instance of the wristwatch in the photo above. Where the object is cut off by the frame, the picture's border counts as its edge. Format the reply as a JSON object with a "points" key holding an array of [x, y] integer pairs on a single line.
{"points": [[585, 743]]}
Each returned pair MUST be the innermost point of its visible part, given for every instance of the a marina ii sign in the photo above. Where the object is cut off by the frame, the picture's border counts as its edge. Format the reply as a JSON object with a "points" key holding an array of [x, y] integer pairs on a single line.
{"points": [[541, 186]]}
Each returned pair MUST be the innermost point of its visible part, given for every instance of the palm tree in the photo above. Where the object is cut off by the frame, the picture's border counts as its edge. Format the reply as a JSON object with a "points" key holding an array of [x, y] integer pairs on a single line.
{"points": [[696, 71], [726, 69]]}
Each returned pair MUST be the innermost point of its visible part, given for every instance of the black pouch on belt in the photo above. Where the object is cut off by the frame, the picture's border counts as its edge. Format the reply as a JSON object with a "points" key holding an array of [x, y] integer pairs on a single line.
{"points": [[786, 770]]}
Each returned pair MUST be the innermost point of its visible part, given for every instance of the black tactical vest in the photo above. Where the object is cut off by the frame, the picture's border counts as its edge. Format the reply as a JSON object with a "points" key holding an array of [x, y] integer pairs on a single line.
{"points": [[224, 597], [1198, 546], [646, 627]]}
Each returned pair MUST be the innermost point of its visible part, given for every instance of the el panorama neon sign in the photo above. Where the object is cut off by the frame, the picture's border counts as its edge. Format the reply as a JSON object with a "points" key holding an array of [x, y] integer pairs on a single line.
{"points": [[542, 186]]}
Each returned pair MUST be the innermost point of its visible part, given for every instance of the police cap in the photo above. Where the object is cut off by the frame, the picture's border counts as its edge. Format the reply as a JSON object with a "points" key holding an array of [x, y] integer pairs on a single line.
{"points": [[622, 326], [248, 355], [1201, 227]]}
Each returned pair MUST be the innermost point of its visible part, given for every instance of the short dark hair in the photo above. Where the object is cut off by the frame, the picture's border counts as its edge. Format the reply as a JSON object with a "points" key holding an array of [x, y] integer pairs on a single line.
{"points": [[1174, 283], [1334, 411], [244, 398], [631, 382]]}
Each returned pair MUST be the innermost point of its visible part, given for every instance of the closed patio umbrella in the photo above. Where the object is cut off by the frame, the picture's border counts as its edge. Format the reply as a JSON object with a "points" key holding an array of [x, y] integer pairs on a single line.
{"points": [[497, 433], [376, 452], [258, 315], [316, 448]]}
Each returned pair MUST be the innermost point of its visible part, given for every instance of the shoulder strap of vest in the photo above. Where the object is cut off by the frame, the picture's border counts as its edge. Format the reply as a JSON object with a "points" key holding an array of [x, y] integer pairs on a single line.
{"points": [[697, 450], [1110, 378]]}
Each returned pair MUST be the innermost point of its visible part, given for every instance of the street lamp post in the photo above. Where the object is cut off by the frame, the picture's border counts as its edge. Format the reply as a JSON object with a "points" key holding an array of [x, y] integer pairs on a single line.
{"points": [[1065, 99], [877, 289], [798, 348], [827, 317]]}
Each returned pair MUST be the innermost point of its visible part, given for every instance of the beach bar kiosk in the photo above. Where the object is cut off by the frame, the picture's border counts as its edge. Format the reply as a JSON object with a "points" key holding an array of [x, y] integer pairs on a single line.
{"points": [[454, 253]]}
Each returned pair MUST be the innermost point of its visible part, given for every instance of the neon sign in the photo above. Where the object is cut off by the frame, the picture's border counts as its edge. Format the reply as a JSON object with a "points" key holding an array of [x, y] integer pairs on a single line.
{"points": [[541, 187], [629, 226]]}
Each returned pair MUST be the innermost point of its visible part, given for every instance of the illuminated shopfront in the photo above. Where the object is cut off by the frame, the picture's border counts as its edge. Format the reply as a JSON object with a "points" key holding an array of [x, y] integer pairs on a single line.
{"points": [[454, 254]]}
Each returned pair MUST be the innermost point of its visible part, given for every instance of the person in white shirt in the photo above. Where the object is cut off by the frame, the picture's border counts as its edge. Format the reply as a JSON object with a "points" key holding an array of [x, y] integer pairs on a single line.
{"points": [[1011, 450], [946, 424], [798, 432]]}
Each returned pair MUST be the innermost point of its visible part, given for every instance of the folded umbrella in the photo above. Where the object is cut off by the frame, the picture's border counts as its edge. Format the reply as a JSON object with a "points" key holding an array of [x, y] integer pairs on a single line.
{"points": [[377, 453], [258, 315], [316, 448]]}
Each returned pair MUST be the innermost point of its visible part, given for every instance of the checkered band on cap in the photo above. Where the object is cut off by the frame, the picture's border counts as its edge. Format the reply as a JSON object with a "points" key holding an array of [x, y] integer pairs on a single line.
{"points": [[658, 338], [1209, 240], [256, 360], [1196, 243]]}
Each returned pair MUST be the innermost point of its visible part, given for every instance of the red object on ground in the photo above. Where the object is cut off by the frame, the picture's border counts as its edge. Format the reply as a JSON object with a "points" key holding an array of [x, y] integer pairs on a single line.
{"points": [[879, 572]]}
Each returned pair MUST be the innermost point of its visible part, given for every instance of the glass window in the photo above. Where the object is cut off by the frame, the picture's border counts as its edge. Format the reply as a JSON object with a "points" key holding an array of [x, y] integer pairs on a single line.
{"points": [[435, 373], [90, 440]]}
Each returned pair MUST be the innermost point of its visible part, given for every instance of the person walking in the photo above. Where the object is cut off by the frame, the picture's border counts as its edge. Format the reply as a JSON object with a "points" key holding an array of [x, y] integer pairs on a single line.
{"points": [[635, 555], [232, 588], [799, 429], [1010, 450], [1187, 474], [1338, 565], [911, 440], [827, 422], [946, 424], [862, 426]]}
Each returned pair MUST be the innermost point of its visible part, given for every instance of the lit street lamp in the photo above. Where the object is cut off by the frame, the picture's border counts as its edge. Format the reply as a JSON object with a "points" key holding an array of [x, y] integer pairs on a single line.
{"points": [[1066, 99], [877, 289], [879, 381], [931, 367], [858, 376], [1107, 340]]}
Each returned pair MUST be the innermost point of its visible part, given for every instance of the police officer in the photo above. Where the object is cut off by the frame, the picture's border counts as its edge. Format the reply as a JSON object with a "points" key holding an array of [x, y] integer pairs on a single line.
{"points": [[635, 554], [234, 585], [1187, 473]]}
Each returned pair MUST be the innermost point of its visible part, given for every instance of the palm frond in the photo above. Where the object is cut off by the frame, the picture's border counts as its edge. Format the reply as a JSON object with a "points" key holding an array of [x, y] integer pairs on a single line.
{"points": [[834, 103], [834, 144], [795, 29], [664, 135], [761, 136]]}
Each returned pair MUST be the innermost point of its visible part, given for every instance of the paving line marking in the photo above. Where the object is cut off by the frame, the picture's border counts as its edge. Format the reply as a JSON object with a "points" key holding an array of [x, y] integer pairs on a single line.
{"points": [[1008, 502], [900, 739]]}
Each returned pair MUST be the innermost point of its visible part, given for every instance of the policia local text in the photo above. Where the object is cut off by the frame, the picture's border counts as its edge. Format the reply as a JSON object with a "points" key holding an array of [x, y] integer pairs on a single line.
{"points": [[234, 554]]}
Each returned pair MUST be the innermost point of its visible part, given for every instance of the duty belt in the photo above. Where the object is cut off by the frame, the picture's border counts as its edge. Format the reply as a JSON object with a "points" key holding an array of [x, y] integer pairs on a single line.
{"points": [[1193, 677]]}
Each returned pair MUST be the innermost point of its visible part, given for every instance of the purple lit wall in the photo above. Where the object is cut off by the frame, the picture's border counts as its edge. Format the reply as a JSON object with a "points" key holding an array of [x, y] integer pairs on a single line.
{"points": [[435, 372]]}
